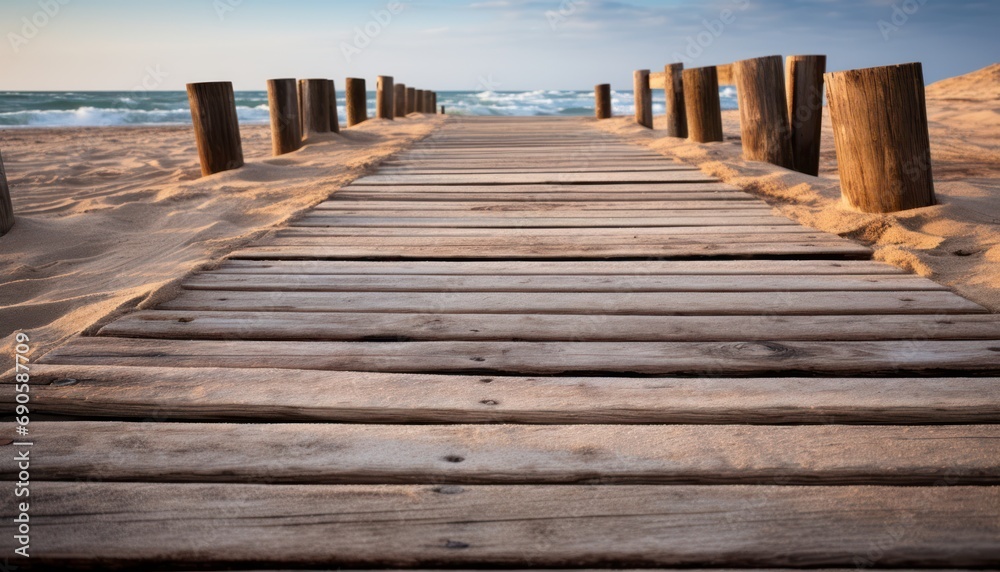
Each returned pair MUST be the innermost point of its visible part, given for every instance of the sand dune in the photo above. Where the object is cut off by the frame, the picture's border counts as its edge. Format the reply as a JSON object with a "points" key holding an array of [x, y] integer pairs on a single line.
{"points": [[956, 242], [109, 218]]}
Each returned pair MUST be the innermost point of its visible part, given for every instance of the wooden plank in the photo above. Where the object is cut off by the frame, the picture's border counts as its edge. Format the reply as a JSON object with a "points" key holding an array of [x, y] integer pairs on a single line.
{"points": [[744, 208], [682, 247], [570, 283], [561, 268], [314, 235], [208, 325], [413, 194], [216, 525], [536, 178], [923, 357], [314, 454], [673, 238], [612, 189], [679, 218], [234, 394], [658, 166], [611, 208], [595, 303]]}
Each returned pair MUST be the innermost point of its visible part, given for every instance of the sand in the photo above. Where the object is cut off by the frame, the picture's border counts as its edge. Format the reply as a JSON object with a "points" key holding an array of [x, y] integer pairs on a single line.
{"points": [[956, 243], [110, 219]]}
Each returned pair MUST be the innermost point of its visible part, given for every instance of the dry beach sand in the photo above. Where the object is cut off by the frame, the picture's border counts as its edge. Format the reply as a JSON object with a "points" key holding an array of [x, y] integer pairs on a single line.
{"points": [[108, 218], [956, 243]]}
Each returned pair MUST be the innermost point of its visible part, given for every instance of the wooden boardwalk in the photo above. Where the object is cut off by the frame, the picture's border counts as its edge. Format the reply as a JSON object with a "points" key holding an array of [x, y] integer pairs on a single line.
{"points": [[524, 343]]}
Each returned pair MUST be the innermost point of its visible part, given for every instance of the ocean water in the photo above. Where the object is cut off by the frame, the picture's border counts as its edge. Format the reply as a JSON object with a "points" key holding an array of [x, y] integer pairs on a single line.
{"points": [[97, 109]]}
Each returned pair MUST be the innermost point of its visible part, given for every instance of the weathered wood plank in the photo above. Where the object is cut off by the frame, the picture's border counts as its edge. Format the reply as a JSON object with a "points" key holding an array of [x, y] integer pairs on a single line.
{"points": [[641, 525], [622, 167], [234, 394], [206, 325], [412, 194], [457, 220], [315, 235], [745, 208], [555, 250], [613, 190], [513, 454], [611, 208], [570, 283], [628, 303], [561, 268], [687, 176], [924, 357]]}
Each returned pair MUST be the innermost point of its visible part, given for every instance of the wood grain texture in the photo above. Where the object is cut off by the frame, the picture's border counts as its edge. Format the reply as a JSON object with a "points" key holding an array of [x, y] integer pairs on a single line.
{"points": [[684, 175], [6, 206], [314, 106], [602, 101], [216, 126], [880, 128], [286, 133], [701, 100], [673, 86], [357, 101], [385, 107], [399, 100], [513, 454], [643, 99], [334, 111], [248, 394], [578, 525], [727, 359], [804, 83], [766, 135], [411, 100]]}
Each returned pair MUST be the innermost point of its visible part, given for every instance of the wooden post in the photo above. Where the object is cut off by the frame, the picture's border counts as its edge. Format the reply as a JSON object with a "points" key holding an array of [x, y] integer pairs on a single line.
{"points": [[357, 101], [880, 128], [434, 102], [643, 99], [443, 110], [602, 101], [422, 101], [673, 87], [701, 101], [286, 127], [411, 100], [399, 100], [314, 106], [804, 82], [216, 126], [6, 207], [334, 111], [760, 86], [384, 107]]}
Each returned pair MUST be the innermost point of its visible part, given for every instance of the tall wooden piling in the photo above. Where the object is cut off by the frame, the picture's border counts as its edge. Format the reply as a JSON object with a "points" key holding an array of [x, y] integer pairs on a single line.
{"points": [[334, 111], [760, 87], [216, 126], [804, 85], [384, 98], [880, 129], [602, 101], [357, 101], [673, 87], [286, 127], [701, 101], [643, 99], [6, 207], [399, 100], [411, 100], [314, 106]]}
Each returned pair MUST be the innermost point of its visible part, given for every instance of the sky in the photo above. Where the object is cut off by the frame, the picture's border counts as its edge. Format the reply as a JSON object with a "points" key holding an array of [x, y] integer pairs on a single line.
{"points": [[468, 44]]}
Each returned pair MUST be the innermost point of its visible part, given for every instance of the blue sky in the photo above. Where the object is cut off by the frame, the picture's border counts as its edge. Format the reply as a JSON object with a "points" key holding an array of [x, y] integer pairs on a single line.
{"points": [[468, 44]]}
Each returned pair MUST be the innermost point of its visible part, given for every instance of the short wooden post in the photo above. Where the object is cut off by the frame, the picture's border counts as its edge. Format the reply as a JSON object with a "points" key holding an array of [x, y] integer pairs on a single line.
{"points": [[6, 207], [334, 111], [760, 87], [804, 85], [443, 110], [286, 127], [673, 87], [422, 101], [602, 101], [643, 99], [314, 106], [880, 129], [399, 100], [216, 126], [701, 101], [384, 107], [411, 100], [357, 101], [434, 102]]}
